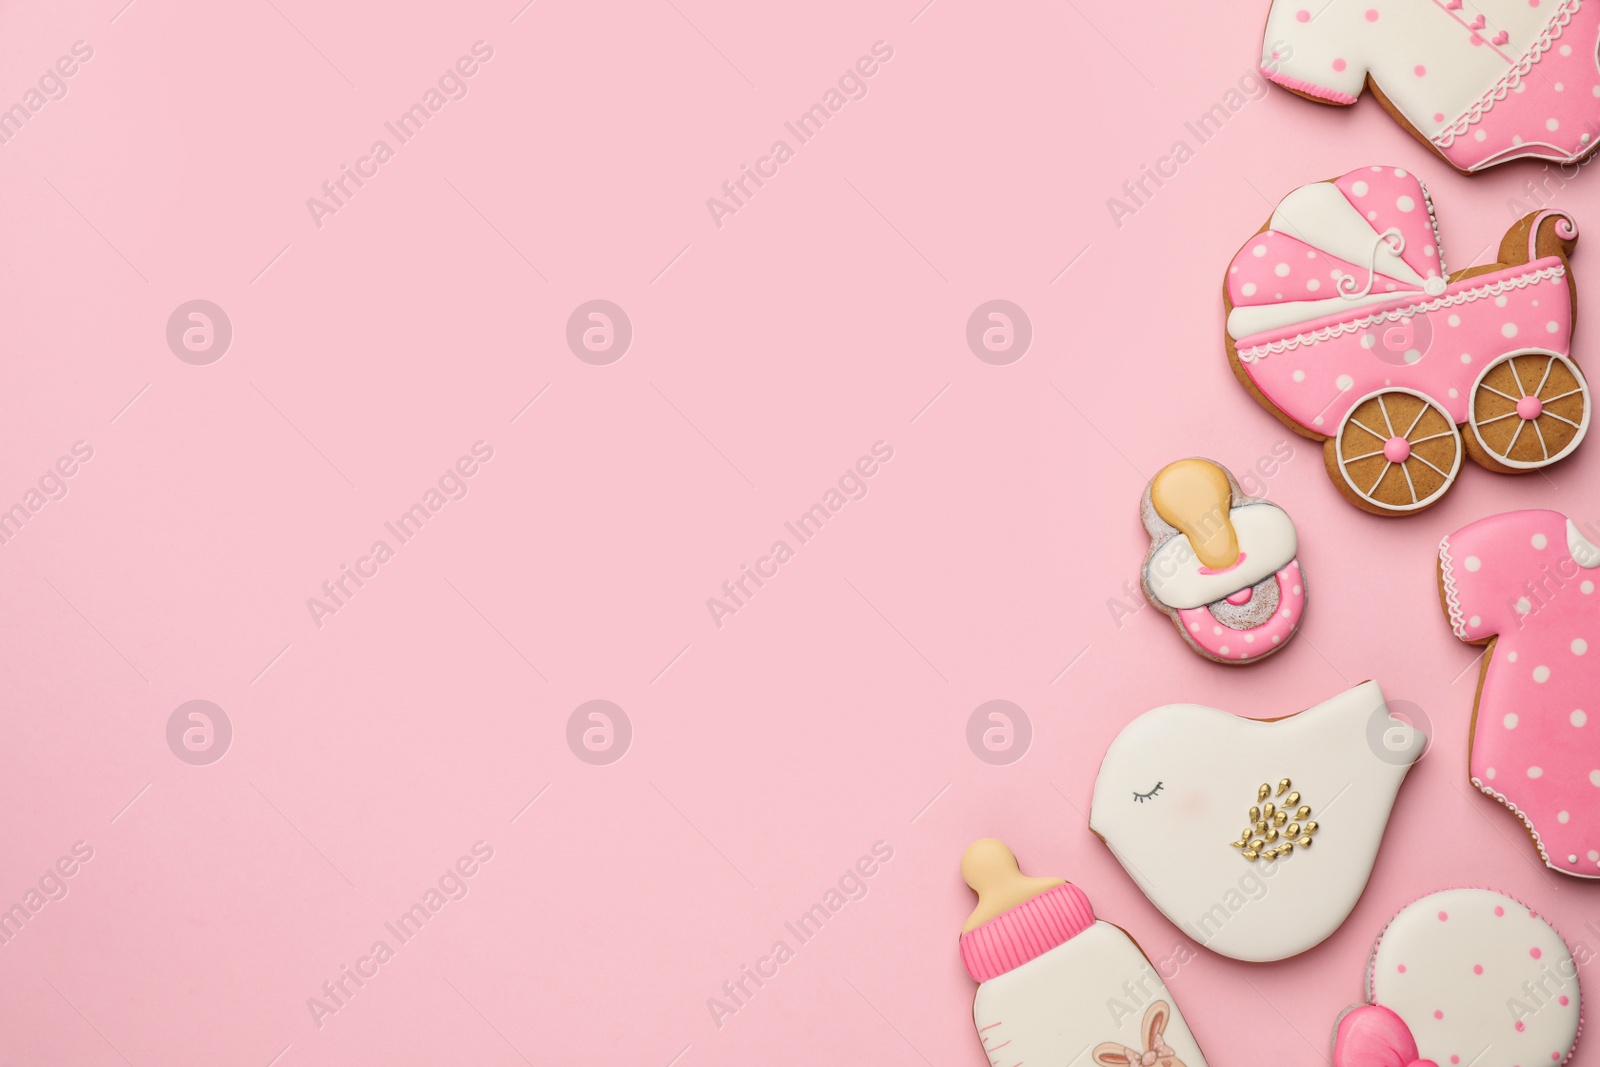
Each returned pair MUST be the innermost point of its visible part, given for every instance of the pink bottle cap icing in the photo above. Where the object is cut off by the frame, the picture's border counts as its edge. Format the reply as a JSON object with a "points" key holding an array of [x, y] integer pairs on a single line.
{"points": [[1026, 932]]}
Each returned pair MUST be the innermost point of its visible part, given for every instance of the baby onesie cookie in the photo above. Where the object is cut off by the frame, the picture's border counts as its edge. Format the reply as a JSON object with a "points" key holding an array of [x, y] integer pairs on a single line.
{"points": [[1221, 820], [1222, 566], [1344, 323], [1480, 82], [1057, 985], [1523, 583], [1464, 977]]}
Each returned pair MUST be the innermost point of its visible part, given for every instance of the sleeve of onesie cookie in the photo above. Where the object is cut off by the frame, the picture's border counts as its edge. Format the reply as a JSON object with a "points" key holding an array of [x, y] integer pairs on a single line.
{"points": [[1316, 47], [1481, 570]]}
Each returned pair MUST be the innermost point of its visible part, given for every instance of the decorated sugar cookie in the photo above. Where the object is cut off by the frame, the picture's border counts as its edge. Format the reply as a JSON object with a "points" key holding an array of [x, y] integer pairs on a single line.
{"points": [[1057, 985], [1523, 583], [1480, 82], [1464, 977], [1343, 321], [1222, 566], [1254, 836]]}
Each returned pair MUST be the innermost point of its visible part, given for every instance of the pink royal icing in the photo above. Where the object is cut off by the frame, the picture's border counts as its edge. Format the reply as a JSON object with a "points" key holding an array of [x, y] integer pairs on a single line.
{"points": [[1224, 642], [1026, 931], [1501, 80], [1528, 580], [1329, 352]]}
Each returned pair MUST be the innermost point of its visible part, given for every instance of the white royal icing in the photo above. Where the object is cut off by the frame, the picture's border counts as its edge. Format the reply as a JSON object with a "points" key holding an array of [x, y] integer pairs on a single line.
{"points": [[1177, 843], [1584, 552], [1478, 979], [1057, 1008], [1266, 537]]}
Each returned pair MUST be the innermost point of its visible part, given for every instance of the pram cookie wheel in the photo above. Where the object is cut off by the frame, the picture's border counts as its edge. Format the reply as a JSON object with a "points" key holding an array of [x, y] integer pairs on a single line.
{"points": [[1529, 409], [1396, 452]]}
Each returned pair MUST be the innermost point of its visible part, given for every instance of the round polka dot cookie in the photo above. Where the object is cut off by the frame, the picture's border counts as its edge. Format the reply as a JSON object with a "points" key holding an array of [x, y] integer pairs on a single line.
{"points": [[1464, 978], [1343, 321], [1480, 83], [1523, 583], [1224, 567]]}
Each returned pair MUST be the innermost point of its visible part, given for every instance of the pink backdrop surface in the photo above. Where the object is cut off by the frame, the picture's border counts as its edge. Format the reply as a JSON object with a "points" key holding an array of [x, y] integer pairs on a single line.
{"points": [[373, 346]]}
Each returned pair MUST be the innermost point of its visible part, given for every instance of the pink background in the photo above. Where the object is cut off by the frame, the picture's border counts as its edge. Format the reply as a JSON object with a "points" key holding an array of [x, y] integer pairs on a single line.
{"points": [[768, 354]]}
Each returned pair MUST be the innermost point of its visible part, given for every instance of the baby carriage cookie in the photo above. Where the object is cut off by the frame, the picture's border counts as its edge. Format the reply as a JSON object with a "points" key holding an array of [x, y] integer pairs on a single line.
{"points": [[1464, 977], [1222, 566], [1343, 322], [1523, 583], [1221, 820], [1055, 982], [1480, 82]]}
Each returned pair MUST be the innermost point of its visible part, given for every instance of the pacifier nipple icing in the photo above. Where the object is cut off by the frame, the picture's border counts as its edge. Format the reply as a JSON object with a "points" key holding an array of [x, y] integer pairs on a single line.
{"points": [[1194, 495]]}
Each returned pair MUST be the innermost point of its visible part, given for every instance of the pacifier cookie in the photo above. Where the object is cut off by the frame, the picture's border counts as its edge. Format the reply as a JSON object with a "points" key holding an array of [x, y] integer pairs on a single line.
{"points": [[1523, 583], [1480, 83], [1222, 566], [1056, 985], [1208, 811], [1343, 321], [1464, 978]]}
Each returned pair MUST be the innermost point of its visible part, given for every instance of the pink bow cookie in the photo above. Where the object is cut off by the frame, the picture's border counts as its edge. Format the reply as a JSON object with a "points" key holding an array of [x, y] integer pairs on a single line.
{"points": [[1371, 1036]]}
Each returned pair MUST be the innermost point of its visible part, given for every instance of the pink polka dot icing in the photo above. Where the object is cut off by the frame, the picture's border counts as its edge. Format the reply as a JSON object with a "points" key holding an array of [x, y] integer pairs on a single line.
{"points": [[1501, 87], [1536, 674], [1482, 975]]}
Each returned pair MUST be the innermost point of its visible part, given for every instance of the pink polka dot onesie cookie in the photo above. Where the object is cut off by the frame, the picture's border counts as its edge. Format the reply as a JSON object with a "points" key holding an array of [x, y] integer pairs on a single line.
{"points": [[1224, 567], [1478, 81], [1464, 978], [1524, 584], [1343, 321]]}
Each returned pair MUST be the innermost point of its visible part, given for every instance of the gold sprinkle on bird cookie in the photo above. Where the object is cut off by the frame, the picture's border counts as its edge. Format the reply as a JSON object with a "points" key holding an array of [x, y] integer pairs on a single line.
{"points": [[1266, 824]]}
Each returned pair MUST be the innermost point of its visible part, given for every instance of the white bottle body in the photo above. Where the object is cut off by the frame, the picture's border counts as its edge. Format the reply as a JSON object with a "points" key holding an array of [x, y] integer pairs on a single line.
{"points": [[1057, 1008]]}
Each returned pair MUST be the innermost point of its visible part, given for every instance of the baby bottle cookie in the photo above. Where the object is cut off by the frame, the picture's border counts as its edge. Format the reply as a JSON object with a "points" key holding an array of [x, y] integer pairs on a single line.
{"points": [[1056, 985], [1464, 977], [1254, 836], [1222, 566], [1523, 583]]}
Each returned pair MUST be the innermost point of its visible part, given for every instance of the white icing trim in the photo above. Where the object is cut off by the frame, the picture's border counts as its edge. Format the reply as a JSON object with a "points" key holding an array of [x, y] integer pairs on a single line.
{"points": [[1433, 221], [1512, 78], [1252, 320], [1584, 552], [1465, 296], [1577, 438], [1452, 596], [1416, 504], [1532, 831]]}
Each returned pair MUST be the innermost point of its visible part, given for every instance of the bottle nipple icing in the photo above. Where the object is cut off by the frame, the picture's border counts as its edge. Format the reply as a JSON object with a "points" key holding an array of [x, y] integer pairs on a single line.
{"points": [[990, 868], [1196, 497]]}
